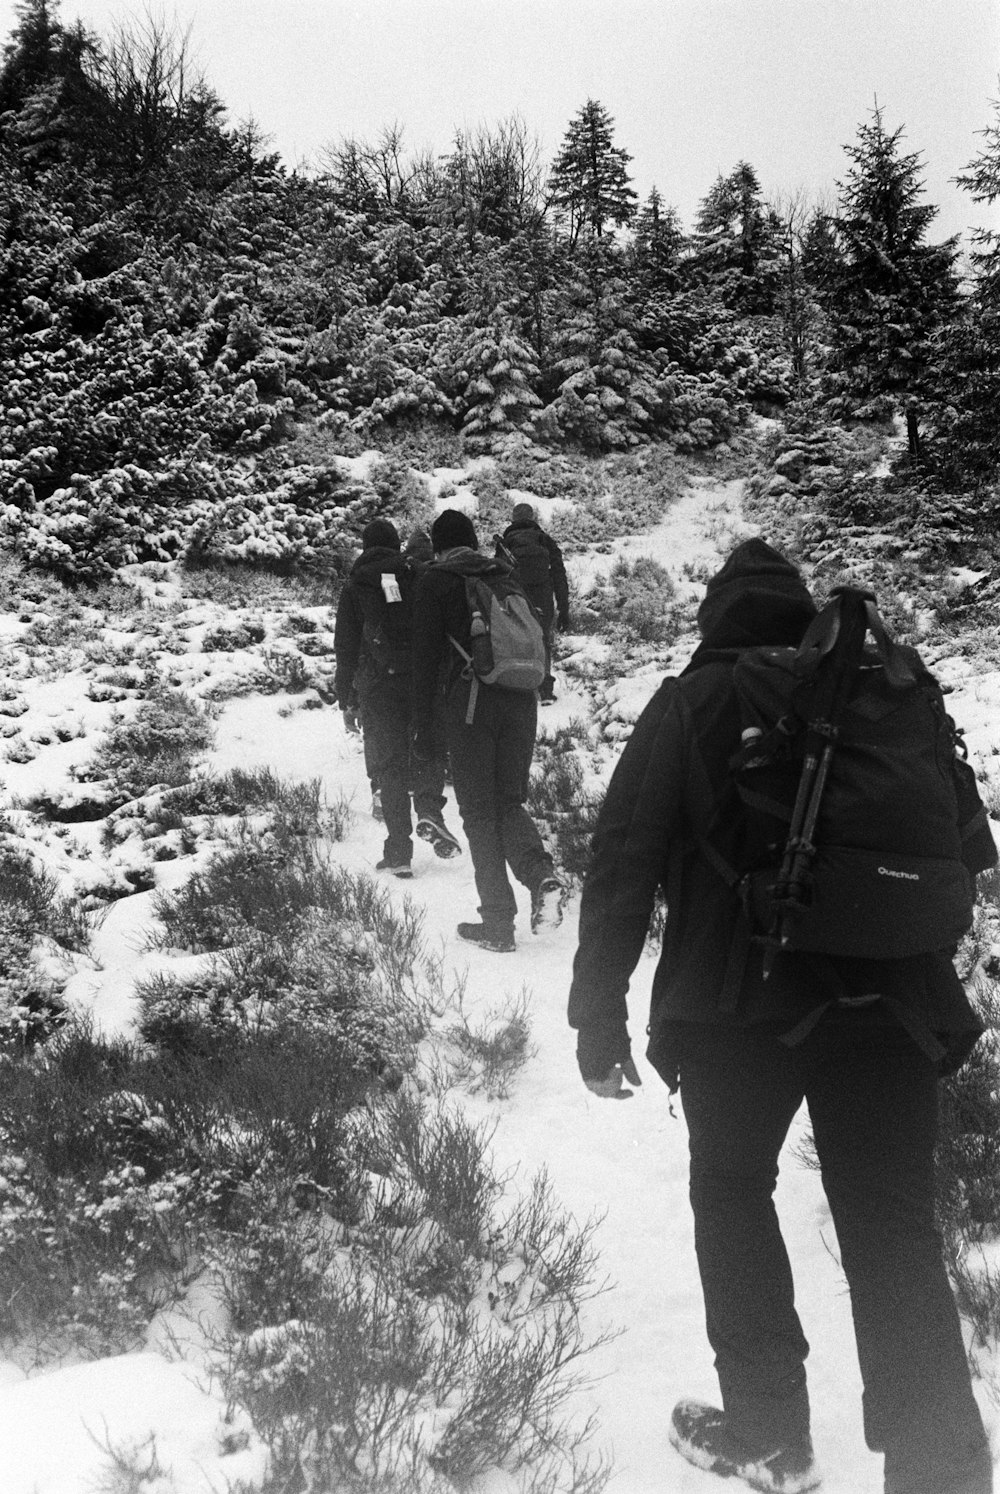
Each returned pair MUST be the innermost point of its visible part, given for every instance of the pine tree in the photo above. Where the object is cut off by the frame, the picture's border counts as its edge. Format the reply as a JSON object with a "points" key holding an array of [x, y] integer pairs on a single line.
{"points": [[884, 290], [966, 447], [30, 56], [981, 179], [656, 246], [589, 183]]}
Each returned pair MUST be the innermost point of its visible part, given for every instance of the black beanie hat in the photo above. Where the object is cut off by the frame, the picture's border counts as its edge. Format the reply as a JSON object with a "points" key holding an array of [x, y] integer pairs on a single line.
{"points": [[379, 535], [451, 529], [757, 597]]}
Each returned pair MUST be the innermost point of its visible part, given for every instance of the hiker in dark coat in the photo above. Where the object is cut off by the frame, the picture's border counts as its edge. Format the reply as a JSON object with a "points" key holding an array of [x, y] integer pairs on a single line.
{"points": [[541, 571], [372, 642], [743, 1069], [491, 755]]}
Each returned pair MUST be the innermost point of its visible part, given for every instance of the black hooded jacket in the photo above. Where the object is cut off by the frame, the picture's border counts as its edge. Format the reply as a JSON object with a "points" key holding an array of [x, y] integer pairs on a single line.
{"points": [[663, 790], [361, 600]]}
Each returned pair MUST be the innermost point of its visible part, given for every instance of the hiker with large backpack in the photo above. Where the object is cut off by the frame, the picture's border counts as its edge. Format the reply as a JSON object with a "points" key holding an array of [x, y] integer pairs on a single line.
{"points": [[472, 619], [800, 796], [539, 566], [372, 643]]}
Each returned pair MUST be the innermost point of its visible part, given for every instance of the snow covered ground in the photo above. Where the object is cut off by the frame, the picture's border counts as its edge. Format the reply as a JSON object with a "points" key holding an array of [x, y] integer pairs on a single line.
{"points": [[624, 1161]]}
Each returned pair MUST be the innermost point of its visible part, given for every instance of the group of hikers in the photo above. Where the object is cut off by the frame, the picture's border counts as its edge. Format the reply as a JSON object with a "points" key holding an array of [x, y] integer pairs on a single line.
{"points": [[799, 796], [407, 644]]}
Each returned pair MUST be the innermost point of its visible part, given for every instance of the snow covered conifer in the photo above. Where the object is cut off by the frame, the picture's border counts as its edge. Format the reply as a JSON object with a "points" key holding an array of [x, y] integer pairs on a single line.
{"points": [[589, 183], [885, 291]]}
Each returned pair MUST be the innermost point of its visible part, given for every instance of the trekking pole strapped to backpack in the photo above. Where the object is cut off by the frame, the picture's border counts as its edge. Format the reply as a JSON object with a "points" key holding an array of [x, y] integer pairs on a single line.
{"points": [[832, 649]]}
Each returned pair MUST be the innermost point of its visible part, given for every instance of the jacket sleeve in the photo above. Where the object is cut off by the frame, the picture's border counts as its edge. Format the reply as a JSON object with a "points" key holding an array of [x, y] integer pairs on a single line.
{"points": [[347, 635], [427, 650], [557, 571], [640, 815]]}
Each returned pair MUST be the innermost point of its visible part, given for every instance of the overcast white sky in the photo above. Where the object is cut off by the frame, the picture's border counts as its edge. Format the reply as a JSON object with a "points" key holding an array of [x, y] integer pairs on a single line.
{"points": [[693, 85]]}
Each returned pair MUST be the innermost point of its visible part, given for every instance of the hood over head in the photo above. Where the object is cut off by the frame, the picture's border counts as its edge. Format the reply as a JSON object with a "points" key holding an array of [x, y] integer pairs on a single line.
{"points": [[380, 534], [758, 597], [523, 513]]}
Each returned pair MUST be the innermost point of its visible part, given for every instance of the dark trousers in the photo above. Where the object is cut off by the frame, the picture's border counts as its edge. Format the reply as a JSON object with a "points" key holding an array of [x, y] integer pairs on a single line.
{"points": [[385, 722], [872, 1098], [490, 764]]}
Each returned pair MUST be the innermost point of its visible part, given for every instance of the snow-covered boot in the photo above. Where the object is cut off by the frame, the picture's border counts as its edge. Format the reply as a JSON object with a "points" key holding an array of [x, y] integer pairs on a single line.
{"points": [[700, 1434], [547, 900], [436, 832]]}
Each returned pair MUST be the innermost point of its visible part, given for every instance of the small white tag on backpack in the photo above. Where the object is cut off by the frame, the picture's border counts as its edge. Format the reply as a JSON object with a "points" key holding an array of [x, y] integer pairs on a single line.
{"points": [[390, 587]]}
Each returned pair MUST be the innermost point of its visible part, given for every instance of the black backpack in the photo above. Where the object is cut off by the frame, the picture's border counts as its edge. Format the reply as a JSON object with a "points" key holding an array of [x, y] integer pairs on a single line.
{"points": [[528, 553], [387, 613], [851, 824]]}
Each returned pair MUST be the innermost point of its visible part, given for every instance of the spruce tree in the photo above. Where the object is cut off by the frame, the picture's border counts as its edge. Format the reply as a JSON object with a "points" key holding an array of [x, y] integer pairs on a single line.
{"points": [[737, 243], [884, 290], [981, 179], [589, 183], [965, 451], [657, 243]]}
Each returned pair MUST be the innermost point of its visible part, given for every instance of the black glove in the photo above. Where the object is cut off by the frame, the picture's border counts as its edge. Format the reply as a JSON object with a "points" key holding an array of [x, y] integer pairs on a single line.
{"points": [[604, 1056], [562, 622]]}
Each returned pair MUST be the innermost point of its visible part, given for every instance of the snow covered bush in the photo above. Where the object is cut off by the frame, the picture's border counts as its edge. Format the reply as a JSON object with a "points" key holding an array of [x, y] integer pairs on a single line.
{"points": [[429, 1339], [34, 914], [226, 638], [559, 801], [637, 598], [285, 519], [97, 1197]]}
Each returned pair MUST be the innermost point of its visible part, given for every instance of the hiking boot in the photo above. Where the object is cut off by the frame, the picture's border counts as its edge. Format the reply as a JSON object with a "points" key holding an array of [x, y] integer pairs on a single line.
{"points": [[440, 838], [401, 869], [700, 1434], [377, 807], [547, 904], [499, 941]]}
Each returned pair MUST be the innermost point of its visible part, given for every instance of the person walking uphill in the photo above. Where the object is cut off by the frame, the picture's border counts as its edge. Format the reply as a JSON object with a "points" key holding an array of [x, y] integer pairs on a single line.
{"points": [[862, 1039], [541, 571], [372, 642], [490, 734]]}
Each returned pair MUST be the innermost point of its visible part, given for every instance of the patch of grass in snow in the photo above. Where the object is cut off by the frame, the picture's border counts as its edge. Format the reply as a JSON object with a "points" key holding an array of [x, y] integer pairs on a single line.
{"points": [[132, 1468], [156, 744], [235, 585], [273, 884], [492, 1051], [247, 790]]}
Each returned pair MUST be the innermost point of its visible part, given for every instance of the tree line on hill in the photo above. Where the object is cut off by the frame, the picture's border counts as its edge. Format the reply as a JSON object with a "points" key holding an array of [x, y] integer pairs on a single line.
{"points": [[175, 303]]}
